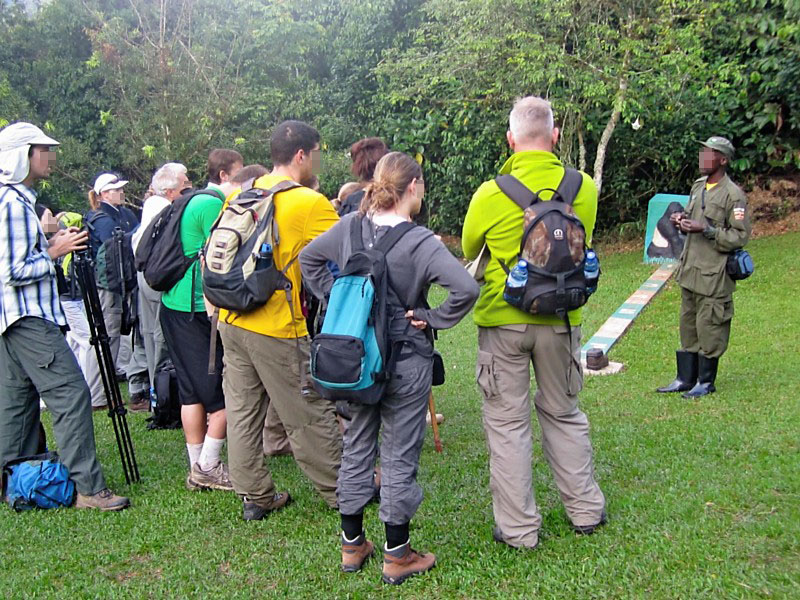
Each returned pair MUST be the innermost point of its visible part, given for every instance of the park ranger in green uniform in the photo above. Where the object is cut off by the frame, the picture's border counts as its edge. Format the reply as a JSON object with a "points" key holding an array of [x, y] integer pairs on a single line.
{"points": [[716, 222]]}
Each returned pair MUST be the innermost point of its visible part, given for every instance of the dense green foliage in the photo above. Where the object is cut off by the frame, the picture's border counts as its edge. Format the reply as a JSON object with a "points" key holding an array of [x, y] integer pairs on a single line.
{"points": [[702, 495], [129, 84]]}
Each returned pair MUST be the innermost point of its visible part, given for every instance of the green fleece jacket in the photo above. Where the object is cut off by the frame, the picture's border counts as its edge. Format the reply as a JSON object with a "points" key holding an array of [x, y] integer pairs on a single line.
{"points": [[493, 218]]}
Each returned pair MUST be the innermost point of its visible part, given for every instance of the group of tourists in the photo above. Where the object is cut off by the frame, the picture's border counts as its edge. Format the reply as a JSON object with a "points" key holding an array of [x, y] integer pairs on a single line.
{"points": [[246, 375]]}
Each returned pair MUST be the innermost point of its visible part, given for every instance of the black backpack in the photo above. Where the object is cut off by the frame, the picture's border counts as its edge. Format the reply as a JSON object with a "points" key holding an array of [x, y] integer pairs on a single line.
{"points": [[115, 268], [553, 245], [167, 409], [159, 255]]}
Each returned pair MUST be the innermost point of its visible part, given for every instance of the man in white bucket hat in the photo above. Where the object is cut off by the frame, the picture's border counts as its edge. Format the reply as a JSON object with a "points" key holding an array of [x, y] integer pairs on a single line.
{"points": [[35, 360]]}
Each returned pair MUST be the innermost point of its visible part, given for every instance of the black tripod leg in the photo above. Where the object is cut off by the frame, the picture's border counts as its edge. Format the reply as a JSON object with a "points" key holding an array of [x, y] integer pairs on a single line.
{"points": [[100, 341]]}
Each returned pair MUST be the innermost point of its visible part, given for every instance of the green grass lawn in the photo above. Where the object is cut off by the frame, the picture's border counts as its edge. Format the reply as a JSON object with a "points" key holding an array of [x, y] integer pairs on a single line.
{"points": [[703, 496]]}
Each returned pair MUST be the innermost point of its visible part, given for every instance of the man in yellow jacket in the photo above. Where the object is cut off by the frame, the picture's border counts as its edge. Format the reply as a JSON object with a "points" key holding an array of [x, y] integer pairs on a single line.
{"points": [[510, 339], [262, 364]]}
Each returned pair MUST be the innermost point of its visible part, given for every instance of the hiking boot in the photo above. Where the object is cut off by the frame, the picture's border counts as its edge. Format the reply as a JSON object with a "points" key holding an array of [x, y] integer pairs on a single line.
{"points": [[140, 402], [402, 562], [498, 537], [687, 373], [355, 553], [255, 512], [216, 478], [706, 375], [99, 408], [590, 529], [104, 500]]}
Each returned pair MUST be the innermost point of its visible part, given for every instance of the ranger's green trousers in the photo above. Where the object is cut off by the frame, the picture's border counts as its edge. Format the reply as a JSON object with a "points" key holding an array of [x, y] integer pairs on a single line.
{"points": [[705, 323]]}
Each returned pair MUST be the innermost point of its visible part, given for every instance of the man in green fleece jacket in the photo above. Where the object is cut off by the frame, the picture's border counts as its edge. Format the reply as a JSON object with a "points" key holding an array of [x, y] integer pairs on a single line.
{"points": [[510, 339]]}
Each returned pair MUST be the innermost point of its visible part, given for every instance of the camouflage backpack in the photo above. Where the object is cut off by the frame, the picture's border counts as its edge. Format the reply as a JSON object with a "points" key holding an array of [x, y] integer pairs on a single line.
{"points": [[553, 246]]}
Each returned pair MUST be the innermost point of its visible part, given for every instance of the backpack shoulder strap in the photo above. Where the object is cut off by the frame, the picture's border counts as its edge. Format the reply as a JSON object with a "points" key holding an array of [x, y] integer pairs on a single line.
{"points": [[393, 236], [516, 190], [356, 241], [570, 185]]}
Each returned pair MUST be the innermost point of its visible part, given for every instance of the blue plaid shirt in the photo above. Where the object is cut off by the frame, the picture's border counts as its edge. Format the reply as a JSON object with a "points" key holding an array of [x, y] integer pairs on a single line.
{"points": [[27, 274]]}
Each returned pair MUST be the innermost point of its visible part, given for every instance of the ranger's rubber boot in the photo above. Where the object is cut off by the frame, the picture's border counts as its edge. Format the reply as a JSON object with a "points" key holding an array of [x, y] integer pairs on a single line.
{"points": [[687, 373]]}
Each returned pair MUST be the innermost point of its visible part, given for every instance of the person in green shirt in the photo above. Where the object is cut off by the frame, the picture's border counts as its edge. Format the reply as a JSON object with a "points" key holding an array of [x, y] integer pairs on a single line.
{"points": [[510, 339], [187, 330]]}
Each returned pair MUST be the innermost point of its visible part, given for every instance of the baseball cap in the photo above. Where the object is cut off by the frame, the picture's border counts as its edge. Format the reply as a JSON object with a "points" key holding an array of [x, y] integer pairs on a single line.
{"points": [[721, 145], [15, 140], [108, 181]]}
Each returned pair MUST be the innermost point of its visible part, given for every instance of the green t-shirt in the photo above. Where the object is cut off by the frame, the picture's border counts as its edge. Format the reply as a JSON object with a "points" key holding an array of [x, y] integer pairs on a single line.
{"points": [[196, 224], [494, 218]]}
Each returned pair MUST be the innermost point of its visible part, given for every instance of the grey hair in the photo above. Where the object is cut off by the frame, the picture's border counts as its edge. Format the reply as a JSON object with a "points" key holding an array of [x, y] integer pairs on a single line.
{"points": [[531, 119], [167, 177]]}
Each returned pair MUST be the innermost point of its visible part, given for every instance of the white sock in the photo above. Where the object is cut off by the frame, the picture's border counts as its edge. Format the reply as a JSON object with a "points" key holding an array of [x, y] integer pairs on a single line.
{"points": [[344, 536], [209, 457], [194, 453]]}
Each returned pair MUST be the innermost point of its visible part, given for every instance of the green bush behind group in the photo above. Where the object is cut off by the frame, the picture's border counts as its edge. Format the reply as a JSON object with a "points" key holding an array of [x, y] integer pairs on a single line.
{"points": [[127, 85]]}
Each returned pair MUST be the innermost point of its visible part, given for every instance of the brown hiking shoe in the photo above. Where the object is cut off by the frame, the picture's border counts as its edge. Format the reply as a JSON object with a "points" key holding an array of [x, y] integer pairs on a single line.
{"points": [[355, 553], [139, 402], [216, 478], [103, 500], [402, 562]]}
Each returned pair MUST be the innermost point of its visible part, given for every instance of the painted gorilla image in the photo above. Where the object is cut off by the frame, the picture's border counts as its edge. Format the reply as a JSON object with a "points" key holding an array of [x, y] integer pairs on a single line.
{"points": [[667, 242]]}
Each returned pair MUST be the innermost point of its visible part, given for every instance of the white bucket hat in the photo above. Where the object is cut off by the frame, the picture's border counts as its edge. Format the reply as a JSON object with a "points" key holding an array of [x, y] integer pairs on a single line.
{"points": [[15, 141], [108, 181]]}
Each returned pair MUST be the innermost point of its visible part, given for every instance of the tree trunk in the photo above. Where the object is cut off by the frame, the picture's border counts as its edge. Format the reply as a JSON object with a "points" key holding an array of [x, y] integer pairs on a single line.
{"points": [[581, 150], [619, 101], [600, 159]]}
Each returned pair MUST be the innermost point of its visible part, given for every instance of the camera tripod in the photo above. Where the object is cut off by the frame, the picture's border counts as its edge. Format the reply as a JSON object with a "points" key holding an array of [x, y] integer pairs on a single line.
{"points": [[84, 270]]}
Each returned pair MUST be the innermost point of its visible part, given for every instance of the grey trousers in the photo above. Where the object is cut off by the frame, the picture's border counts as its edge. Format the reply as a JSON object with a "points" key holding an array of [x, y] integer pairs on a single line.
{"points": [[155, 347], [111, 305], [401, 412], [35, 361], [135, 365], [503, 372], [78, 338]]}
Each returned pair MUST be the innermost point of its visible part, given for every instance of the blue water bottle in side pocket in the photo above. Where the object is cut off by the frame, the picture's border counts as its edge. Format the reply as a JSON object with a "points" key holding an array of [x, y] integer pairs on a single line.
{"points": [[591, 271], [515, 284]]}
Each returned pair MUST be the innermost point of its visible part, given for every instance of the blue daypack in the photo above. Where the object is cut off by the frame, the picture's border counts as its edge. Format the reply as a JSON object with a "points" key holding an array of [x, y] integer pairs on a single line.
{"points": [[40, 481], [352, 358]]}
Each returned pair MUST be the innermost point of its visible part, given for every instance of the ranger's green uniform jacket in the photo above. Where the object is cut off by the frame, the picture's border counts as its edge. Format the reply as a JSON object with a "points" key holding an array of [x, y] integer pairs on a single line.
{"points": [[724, 208]]}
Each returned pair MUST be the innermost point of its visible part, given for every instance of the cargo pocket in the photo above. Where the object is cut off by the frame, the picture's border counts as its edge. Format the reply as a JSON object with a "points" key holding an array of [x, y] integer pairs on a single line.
{"points": [[485, 374], [45, 359], [722, 312]]}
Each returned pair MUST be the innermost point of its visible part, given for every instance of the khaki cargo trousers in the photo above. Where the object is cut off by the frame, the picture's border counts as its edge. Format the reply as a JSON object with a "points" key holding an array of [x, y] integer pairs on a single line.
{"points": [[503, 373], [261, 370]]}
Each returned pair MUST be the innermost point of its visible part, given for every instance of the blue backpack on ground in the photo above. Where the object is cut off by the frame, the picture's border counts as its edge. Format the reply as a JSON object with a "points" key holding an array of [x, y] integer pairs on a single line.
{"points": [[40, 481], [352, 358]]}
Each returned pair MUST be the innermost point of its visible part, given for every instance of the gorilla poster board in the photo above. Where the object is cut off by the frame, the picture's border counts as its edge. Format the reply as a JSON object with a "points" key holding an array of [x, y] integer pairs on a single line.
{"points": [[663, 242]]}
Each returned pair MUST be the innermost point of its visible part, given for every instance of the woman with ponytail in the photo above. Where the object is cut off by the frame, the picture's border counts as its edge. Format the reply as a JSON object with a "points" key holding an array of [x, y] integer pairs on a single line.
{"points": [[107, 212], [416, 261]]}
